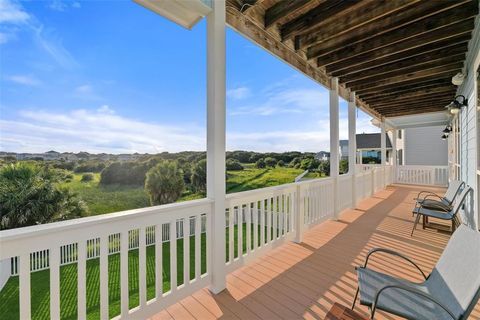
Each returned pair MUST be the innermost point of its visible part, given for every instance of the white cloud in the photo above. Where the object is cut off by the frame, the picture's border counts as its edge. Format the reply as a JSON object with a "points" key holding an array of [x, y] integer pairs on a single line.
{"points": [[84, 89], [238, 93], [95, 131], [60, 5], [283, 99], [26, 80], [12, 13]]}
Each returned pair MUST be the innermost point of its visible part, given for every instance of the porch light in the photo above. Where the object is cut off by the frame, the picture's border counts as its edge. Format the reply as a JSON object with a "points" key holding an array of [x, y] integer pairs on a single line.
{"points": [[444, 136], [455, 106], [447, 130], [184, 13]]}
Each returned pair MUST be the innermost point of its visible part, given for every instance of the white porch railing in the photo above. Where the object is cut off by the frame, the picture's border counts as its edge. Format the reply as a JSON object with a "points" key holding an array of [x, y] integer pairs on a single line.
{"points": [[256, 222], [422, 175]]}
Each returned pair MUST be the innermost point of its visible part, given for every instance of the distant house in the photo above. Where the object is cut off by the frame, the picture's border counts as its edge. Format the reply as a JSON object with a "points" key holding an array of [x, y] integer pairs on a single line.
{"points": [[368, 145], [323, 156]]}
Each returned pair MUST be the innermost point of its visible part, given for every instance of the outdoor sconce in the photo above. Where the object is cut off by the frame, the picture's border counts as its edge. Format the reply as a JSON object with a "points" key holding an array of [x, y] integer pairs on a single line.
{"points": [[447, 130], [444, 137], [455, 106]]}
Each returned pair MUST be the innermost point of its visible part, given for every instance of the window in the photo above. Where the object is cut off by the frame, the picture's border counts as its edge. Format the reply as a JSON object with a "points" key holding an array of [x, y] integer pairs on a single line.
{"points": [[399, 134]]}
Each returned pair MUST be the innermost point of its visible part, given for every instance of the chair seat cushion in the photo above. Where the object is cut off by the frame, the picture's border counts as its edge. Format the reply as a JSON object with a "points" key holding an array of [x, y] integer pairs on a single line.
{"points": [[433, 213], [397, 301], [435, 205]]}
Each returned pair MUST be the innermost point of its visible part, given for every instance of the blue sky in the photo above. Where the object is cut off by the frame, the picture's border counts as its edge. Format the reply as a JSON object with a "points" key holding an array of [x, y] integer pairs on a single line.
{"points": [[104, 76]]}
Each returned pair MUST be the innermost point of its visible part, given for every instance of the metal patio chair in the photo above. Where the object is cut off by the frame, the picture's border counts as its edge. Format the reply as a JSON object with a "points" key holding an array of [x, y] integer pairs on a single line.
{"points": [[440, 214], [450, 291], [433, 201]]}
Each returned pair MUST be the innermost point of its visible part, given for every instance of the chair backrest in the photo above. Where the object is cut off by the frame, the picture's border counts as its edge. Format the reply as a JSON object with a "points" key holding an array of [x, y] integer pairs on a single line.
{"points": [[461, 199], [455, 280], [452, 191]]}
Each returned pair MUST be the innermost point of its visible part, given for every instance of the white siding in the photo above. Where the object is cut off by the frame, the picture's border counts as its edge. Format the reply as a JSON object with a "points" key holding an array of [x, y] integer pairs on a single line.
{"points": [[468, 121], [423, 146]]}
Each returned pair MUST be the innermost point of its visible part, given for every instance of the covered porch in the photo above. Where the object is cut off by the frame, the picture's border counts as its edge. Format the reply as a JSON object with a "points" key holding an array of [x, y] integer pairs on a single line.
{"points": [[303, 280]]}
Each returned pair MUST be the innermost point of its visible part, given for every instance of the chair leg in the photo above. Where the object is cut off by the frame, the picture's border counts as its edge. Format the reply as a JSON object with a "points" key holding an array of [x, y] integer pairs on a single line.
{"points": [[415, 224], [355, 299]]}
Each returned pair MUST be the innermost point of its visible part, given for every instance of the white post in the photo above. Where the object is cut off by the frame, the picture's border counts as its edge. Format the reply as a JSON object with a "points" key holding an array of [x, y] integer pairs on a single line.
{"points": [[216, 139], [352, 145], [383, 146], [360, 157], [334, 142], [394, 155], [299, 215]]}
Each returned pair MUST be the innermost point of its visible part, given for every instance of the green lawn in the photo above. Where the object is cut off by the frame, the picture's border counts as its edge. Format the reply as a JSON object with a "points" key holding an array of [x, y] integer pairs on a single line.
{"points": [[40, 281], [253, 178], [105, 199]]}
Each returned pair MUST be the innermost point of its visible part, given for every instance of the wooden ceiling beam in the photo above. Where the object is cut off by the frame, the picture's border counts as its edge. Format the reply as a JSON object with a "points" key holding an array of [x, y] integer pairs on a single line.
{"points": [[428, 84], [343, 67], [413, 94], [421, 16], [379, 89], [448, 96], [373, 13], [410, 112], [400, 77], [437, 105], [322, 14], [448, 33], [435, 24], [447, 55], [283, 9]]}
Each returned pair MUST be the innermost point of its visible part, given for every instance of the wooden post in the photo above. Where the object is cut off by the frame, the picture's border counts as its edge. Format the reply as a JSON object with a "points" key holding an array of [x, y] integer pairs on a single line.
{"points": [[352, 145], [216, 139], [334, 142]]}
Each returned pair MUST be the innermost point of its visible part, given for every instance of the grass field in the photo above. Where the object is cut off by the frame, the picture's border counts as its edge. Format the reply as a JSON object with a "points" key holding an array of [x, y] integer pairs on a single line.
{"points": [[106, 199], [40, 281]]}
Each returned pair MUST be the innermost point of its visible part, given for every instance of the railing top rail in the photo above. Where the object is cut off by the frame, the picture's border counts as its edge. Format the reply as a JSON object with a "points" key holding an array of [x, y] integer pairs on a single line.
{"points": [[116, 217]]}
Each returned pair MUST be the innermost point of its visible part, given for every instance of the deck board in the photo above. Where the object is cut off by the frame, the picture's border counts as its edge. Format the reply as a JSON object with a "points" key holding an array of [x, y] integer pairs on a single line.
{"points": [[303, 281]]}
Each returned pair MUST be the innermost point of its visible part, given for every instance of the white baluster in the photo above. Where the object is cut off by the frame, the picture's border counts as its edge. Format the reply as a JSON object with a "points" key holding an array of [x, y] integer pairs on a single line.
{"points": [[104, 277], [158, 261], [54, 255], [24, 286], [142, 267], [173, 256]]}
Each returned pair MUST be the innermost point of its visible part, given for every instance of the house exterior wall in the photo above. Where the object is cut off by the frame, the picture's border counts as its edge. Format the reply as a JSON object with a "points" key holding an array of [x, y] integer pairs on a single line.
{"points": [[468, 118], [423, 146]]}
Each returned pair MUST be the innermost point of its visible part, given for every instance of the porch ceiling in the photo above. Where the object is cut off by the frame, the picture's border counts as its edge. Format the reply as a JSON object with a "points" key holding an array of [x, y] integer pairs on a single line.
{"points": [[398, 56]]}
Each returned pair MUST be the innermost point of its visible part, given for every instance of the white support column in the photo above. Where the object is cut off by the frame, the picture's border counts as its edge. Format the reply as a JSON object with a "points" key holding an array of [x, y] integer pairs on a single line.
{"points": [[334, 142], [394, 155], [352, 145], [216, 139], [383, 146]]}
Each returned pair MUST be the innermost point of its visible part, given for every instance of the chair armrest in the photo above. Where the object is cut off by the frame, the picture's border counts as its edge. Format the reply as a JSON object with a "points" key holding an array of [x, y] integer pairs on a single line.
{"points": [[419, 195], [393, 253], [429, 196], [411, 290]]}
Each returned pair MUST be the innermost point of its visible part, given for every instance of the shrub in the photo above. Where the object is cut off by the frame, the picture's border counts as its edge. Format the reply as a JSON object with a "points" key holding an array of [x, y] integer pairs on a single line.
{"points": [[29, 195], [164, 183], [343, 168], [270, 162], [234, 165], [280, 163], [86, 177], [89, 166], [324, 167], [125, 173], [260, 163], [199, 176]]}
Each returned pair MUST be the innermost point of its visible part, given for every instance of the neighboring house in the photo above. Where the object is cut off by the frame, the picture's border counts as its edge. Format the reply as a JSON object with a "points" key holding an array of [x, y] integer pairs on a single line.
{"points": [[368, 145], [323, 156], [422, 146]]}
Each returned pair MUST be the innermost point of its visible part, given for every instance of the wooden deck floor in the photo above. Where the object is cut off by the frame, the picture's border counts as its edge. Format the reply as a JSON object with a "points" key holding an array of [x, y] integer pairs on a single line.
{"points": [[303, 280]]}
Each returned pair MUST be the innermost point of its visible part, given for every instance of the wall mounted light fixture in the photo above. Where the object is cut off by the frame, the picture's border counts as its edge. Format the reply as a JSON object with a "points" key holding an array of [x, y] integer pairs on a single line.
{"points": [[447, 129], [455, 106], [444, 136]]}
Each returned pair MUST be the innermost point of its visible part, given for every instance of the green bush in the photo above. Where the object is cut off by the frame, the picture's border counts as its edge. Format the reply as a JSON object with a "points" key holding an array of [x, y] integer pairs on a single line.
{"points": [[260, 164], [233, 165], [125, 173], [164, 183], [86, 177], [270, 162], [324, 167], [280, 163], [29, 195], [199, 176]]}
